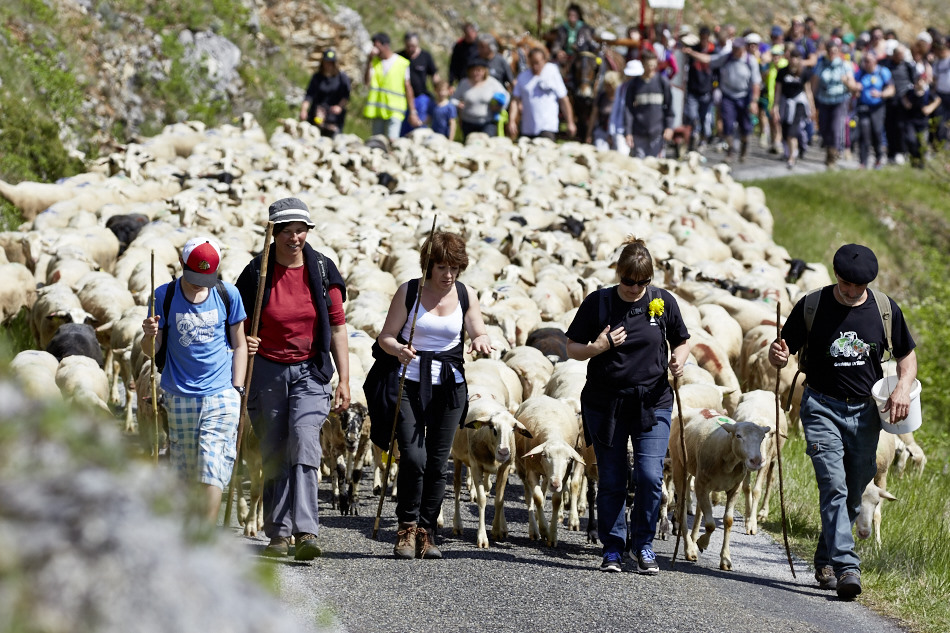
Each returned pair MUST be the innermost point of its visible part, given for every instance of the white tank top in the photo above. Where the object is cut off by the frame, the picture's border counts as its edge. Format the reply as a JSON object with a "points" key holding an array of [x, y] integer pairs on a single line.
{"points": [[433, 333]]}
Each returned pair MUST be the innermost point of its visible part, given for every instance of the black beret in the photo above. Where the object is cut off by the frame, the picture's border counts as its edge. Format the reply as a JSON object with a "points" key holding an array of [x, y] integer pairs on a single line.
{"points": [[856, 263]]}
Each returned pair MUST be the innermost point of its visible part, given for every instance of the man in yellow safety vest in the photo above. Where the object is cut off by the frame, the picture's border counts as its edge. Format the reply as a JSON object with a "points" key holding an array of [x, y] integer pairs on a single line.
{"points": [[390, 95]]}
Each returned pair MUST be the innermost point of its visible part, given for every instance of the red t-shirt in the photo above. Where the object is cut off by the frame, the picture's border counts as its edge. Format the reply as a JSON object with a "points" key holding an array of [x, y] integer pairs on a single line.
{"points": [[289, 321]]}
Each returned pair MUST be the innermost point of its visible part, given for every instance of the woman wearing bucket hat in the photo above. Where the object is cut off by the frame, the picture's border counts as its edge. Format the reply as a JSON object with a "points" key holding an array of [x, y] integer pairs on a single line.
{"points": [[844, 338], [302, 325], [198, 318]]}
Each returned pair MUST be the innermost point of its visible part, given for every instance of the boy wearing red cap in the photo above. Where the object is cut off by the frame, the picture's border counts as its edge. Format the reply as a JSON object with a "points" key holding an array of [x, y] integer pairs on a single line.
{"points": [[205, 362]]}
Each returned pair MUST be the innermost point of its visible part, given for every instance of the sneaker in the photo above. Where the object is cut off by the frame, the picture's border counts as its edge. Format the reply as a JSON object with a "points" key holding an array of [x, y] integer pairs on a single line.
{"points": [[826, 578], [306, 546], [849, 585], [406, 541], [646, 562], [278, 547], [425, 547], [611, 562]]}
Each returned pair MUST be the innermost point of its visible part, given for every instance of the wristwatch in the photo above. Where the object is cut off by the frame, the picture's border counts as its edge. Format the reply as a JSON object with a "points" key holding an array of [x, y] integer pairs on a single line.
{"points": [[240, 389]]}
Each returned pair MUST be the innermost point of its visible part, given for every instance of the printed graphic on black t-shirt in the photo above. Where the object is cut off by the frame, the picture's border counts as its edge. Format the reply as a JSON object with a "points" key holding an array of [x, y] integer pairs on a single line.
{"points": [[846, 344]]}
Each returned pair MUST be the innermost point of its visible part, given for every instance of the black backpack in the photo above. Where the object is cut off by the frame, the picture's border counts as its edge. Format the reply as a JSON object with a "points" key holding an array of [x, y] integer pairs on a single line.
{"points": [[162, 353]]}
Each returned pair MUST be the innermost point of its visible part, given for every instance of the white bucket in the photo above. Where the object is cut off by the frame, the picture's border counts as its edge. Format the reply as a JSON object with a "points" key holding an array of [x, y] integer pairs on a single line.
{"points": [[882, 390]]}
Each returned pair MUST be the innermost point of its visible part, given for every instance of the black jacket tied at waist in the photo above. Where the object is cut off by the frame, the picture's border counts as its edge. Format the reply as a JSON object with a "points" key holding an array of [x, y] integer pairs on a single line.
{"points": [[603, 407], [450, 359]]}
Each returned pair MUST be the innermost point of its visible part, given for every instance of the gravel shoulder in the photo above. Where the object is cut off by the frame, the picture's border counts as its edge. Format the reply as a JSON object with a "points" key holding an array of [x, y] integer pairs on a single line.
{"points": [[521, 585]]}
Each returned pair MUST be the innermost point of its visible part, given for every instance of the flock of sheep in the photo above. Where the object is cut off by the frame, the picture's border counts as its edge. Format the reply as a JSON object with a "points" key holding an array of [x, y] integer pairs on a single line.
{"points": [[543, 224]]}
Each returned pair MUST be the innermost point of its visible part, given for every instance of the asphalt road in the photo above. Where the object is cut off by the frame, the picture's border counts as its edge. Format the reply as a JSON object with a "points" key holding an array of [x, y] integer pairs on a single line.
{"points": [[760, 164], [521, 585]]}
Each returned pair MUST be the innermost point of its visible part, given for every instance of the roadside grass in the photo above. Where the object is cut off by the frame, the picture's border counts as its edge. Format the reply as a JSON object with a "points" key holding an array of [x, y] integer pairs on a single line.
{"points": [[902, 214]]}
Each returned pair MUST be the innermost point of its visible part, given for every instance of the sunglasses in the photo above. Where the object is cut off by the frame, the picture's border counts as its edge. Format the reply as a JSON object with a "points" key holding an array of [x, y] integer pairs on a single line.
{"points": [[636, 282]]}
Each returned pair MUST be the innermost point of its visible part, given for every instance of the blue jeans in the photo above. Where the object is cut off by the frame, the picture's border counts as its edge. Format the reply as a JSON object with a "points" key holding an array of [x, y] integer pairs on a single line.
{"points": [[387, 127], [841, 441], [649, 450], [696, 114]]}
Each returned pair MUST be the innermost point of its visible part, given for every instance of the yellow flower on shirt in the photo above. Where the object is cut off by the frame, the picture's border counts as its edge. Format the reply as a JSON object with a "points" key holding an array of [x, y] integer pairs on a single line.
{"points": [[655, 308]]}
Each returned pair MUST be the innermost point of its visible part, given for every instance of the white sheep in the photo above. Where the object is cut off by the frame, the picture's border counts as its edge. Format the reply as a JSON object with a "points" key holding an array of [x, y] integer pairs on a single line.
{"points": [[485, 444], [542, 460], [719, 452]]}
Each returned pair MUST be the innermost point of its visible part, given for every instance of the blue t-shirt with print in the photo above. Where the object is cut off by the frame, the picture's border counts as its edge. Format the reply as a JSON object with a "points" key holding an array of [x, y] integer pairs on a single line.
{"points": [[198, 360], [441, 115], [877, 80]]}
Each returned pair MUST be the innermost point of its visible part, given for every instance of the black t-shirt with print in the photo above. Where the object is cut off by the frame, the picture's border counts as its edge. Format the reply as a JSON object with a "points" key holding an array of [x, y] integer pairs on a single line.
{"points": [[792, 85], [641, 359], [845, 345]]}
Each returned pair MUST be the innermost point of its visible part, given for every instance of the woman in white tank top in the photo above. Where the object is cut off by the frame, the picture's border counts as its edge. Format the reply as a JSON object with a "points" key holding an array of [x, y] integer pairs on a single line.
{"points": [[434, 396]]}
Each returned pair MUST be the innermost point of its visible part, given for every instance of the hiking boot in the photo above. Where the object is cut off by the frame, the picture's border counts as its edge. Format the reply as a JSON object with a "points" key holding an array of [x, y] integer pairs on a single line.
{"points": [[849, 585], [743, 150], [826, 578], [425, 546], [306, 546], [406, 541], [278, 547], [611, 562]]}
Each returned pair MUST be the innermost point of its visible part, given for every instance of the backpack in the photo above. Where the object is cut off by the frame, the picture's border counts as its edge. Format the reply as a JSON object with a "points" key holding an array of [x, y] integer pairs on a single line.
{"points": [[652, 293], [162, 354], [812, 299], [321, 264]]}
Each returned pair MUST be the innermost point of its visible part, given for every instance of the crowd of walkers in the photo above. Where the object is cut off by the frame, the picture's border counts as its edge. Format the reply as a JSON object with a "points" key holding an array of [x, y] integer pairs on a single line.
{"points": [[870, 95]]}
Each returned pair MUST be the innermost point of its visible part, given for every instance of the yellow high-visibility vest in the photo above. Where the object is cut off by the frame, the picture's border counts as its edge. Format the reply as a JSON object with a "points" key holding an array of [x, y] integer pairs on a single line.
{"points": [[387, 93]]}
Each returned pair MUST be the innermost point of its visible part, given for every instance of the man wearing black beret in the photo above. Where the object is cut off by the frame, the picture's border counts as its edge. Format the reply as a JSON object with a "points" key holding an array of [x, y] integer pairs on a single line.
{"points": [[844, 346]]}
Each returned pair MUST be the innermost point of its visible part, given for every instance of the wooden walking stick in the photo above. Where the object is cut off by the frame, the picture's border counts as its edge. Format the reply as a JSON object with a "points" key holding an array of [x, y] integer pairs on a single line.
{"points": [[402, 382], [255, 322], [151, 378], [684, 495], [778, 439]]}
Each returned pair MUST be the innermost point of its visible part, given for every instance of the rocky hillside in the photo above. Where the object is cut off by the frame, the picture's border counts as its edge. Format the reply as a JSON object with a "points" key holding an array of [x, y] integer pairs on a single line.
{"points": [[78, 75]]}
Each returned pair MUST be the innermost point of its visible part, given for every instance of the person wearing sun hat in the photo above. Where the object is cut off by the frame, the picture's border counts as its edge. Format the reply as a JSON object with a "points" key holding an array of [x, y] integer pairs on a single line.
{"points": [[845, 345], [198, 327], [302, 325]]}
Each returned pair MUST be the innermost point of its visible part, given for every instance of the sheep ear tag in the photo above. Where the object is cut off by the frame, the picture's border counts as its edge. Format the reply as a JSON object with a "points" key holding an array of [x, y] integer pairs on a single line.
{"points": [[721, 420]]}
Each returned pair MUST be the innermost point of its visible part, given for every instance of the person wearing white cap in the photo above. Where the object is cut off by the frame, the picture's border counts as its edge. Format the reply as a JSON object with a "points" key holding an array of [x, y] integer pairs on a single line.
{"points": [[302, 324], [648, 110], [198, 318], [904, 75], [615, 129]]}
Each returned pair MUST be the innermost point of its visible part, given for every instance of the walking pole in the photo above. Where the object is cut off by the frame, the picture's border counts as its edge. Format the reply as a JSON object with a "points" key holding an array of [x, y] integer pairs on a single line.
{"points": [[685, 492], [151, 378], [255, 321], [402, 382], [778, 439]]}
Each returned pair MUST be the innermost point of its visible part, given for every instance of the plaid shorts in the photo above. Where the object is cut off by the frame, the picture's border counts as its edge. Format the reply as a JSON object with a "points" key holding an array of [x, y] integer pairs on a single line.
{"points": [[202, 436]]}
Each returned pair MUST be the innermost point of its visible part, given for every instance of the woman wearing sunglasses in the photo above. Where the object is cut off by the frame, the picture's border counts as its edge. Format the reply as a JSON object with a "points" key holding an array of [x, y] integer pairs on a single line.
{"points": [[626, 332]]}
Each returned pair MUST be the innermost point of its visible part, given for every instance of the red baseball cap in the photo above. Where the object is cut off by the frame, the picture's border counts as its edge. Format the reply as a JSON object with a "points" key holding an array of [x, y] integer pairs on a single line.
{"points": [[200, 257]]}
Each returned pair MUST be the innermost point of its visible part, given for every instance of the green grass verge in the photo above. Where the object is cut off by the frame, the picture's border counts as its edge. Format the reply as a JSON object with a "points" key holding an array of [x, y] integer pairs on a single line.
{"points": [[901, 214]]}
